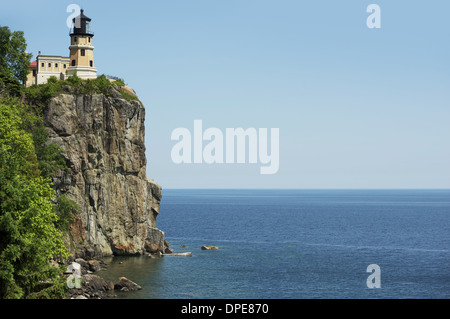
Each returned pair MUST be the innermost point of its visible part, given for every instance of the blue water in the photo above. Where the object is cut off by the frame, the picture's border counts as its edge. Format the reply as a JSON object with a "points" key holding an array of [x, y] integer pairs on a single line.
{"points": [[297, 244]]}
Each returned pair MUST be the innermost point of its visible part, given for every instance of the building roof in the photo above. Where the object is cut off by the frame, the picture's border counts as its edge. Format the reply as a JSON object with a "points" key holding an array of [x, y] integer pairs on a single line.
{"points": [[53, 56], [82, 16], [33, 64]]}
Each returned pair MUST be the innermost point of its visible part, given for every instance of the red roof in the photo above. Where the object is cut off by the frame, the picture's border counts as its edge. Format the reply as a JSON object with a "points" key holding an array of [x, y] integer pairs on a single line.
{"points": [[33, 64]]}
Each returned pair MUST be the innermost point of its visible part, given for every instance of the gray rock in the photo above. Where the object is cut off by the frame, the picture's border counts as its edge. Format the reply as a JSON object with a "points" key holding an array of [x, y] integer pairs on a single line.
{"points": [[186, 254], [167, 249], [155, 255], [103, 139], [94, 283], [94, 265], [124, 284], [92, 286], [155, 240], [210, 248], [73, 268], [83, 263], [89, 253]]}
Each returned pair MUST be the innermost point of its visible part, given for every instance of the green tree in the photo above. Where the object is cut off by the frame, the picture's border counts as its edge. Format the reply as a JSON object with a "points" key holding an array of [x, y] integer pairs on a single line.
{"points": [[49, 155], [65, 209], [13, 55], [9, 85], [28, 235]]}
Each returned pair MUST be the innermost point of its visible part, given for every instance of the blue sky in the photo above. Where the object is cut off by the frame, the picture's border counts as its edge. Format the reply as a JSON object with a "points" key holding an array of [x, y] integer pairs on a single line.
{"points": [[356, 107]]}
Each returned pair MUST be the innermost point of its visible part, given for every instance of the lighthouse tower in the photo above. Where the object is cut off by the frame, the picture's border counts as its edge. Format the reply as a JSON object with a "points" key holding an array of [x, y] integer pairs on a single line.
{"points": [[81, 48]]}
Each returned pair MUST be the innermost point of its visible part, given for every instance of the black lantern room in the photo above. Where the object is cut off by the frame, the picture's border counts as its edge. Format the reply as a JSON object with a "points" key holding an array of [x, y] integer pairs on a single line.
{"points": [[82, 25]]}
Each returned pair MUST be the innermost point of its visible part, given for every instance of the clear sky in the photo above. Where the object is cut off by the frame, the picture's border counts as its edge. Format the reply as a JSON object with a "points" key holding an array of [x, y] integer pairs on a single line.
{"points": [[355, 107]]}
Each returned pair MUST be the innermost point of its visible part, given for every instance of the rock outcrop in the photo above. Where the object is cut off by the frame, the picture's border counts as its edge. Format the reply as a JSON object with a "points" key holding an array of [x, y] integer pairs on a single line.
{"points": [[210, 247], [103, 139]]}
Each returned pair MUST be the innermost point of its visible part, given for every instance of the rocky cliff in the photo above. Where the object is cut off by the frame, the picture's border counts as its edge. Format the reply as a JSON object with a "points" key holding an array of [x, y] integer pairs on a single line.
{"points": [[103, 139]]}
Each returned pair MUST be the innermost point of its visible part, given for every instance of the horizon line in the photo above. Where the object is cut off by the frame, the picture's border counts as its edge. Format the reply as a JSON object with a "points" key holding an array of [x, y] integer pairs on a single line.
{"points": [[293, 188]]}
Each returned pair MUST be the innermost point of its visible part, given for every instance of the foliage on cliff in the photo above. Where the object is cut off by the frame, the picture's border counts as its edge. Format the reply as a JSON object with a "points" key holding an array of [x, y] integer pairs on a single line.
{"points": [[39, 95], [29, 237], [32, 218]]}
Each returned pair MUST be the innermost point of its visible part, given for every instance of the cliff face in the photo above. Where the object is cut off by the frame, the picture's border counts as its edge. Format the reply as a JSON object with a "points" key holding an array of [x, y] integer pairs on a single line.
{"points": [[103, 139]]}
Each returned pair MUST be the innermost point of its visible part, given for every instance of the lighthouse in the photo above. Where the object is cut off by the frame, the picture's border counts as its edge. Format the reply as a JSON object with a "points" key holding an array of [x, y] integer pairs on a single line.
{"points": [[81, 48], [80, 62]]}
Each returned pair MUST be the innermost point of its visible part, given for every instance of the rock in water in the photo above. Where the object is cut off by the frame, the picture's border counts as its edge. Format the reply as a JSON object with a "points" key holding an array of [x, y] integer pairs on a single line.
{"points": [[186, 254], [154, 241], [210, 248], [103, 139]]}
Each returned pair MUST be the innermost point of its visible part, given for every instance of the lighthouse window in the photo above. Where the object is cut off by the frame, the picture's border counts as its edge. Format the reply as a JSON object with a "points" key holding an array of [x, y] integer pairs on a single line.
{"points": [[83, 53], [75, 39], [64, 66], [91, 63], [89, 39], [73, 62], [42, 64], [56, 65], [49, 65]]}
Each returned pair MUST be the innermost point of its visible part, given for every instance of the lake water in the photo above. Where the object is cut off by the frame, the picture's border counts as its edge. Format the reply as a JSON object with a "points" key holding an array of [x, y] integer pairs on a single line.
{"points": [[292, 244]]}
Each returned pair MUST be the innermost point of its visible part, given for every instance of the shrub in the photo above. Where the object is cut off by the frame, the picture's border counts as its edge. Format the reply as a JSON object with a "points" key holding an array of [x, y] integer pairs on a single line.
{"points": [[40, 95], [128, 96], [119, 82], [65, 209], [89, 87], [103, 84], [52, 79], [74, 80], [49, 156]]}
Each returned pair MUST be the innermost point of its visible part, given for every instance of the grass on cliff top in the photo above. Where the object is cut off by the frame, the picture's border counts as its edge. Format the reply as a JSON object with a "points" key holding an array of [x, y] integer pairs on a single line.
{"points": [[39, 95]]}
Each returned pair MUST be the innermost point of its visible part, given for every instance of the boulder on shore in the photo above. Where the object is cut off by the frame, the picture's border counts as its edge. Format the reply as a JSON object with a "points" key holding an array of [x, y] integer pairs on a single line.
{"points": [[94, 265], [94, 283], [83, 263], [73, 268], [92, 286], [125, 284]]}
